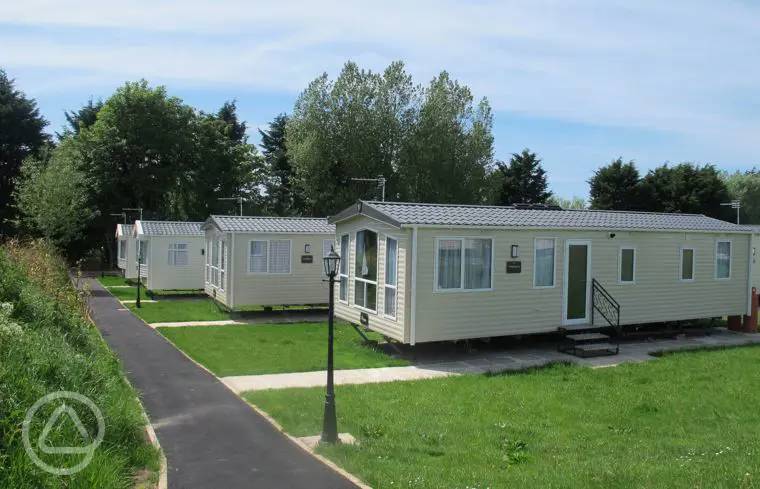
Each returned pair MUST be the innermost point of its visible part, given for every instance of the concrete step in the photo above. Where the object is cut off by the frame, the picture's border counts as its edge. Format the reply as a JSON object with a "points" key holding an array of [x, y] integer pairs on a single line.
{"points": [[595, 349], [580, 337], [577, 327]]}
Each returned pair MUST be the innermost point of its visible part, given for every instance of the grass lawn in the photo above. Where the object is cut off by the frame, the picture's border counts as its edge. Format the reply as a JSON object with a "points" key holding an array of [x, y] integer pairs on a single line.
{"points": [[126, 293], [685, 420], [111, 280], [275, 348], [179, 310]]}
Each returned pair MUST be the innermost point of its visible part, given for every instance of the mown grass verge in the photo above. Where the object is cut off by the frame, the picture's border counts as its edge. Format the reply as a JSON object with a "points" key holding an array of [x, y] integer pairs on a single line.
{"points": [[683, 421], [46, 345], [276, 348]]}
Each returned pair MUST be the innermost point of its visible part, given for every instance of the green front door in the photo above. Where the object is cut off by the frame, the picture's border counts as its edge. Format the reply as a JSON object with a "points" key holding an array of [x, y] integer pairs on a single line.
{"points": [[577, 281]]}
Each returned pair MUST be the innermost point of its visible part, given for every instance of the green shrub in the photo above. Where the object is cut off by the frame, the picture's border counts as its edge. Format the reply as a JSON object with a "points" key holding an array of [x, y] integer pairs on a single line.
{"points": [[47, 344]]}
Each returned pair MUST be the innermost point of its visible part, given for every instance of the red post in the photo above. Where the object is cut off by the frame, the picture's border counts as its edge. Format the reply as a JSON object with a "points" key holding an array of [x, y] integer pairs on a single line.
{"points": [[750, 322]]}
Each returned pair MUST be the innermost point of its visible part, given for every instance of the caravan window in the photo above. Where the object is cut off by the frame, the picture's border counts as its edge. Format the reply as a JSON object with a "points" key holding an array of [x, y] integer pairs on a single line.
{"points": [[723, 259], [543, 262], [463, 264], [391, 276], [178, 254], [269, 256], [365, 270], [344, 258]]}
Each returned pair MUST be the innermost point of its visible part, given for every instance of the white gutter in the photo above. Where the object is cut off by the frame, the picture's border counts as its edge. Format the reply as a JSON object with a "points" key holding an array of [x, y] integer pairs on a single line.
{"points": [[549, 228], [413, 320], [230, 291]]}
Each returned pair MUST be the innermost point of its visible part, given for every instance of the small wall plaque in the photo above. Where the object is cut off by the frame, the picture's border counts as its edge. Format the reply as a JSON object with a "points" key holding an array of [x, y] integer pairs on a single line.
{"points": [[307, 258], [514, 266]]}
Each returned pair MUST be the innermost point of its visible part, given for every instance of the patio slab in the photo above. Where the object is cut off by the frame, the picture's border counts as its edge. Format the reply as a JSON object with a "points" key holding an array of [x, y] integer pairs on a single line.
{"points": [[515, 359]]}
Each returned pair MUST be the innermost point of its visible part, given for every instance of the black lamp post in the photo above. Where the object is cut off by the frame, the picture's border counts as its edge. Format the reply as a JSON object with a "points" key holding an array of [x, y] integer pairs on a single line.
{"points": [[330, 424]]}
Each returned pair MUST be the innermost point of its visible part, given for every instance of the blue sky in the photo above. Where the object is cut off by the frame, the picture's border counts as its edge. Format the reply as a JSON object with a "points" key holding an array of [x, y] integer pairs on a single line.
{"points": [[580, 81]]}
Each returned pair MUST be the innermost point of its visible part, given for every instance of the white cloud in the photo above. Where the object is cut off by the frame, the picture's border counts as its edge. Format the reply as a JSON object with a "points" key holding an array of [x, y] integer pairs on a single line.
{"points": [[684, 67]]}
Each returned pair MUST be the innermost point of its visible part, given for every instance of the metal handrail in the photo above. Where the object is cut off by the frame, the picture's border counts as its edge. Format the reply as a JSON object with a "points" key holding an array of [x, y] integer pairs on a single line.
{"points": [[612, 305]]}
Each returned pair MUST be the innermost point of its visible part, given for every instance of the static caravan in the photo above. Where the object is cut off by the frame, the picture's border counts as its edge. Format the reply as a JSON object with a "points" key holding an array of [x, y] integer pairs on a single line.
{"points": [[126, 250], [429, 272], [266, 261], [170, 254]]}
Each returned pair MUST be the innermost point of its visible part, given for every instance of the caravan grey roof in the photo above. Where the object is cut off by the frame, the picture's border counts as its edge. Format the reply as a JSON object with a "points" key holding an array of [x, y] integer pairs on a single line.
{"points": [[124, 230], [169, 228], [274, 225], [401, 214]]}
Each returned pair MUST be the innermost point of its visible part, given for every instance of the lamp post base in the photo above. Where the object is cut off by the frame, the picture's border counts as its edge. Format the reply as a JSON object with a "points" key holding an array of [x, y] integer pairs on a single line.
{"points": [[330, 423]]}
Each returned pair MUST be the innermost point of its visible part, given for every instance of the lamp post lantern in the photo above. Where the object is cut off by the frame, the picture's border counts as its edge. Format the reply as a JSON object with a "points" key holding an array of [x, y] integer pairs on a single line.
{"points": [[330, 423]]}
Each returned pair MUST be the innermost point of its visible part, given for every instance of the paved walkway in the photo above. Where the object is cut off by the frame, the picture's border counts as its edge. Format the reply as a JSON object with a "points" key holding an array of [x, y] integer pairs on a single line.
{"points": [[211, 437], [498, 361]]}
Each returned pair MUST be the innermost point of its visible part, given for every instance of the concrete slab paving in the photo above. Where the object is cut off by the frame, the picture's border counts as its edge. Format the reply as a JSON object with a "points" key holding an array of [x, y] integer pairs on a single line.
{"points": [[491, 362], [276, 317]]}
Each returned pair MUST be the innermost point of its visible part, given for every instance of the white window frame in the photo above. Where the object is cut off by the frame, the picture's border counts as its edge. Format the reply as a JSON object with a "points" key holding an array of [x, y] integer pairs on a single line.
{"points": [[347, 260], [461, 288], [141, 244], [730, 258], [172, 252], [693, 264], [208, 262], [122, 254], [222, 263], [365, 281], [620, 265], [554, 267], [269, 257], [386, 285]]}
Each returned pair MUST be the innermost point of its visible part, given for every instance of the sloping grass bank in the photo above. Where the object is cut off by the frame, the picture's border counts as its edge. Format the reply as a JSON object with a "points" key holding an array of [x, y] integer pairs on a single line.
{"points": [[48, 345]]}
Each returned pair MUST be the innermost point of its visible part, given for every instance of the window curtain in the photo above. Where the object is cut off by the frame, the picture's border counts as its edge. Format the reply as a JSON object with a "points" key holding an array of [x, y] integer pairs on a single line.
{"points": [[366, 255], [477, 264], [449, 264], [279, 256], [258, 262], [544, 262]]}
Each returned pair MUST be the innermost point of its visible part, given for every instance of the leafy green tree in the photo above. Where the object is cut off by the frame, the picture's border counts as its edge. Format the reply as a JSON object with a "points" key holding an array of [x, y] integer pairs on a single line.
{"points": [[523, 181], [53, 196], [145, 149], [21, 135], [236, 129], [348, 128], [616, 187], [283, 198], [686, 188], [450, 147], [576, 203], [431, 144], [745, 187], [82, 118]]}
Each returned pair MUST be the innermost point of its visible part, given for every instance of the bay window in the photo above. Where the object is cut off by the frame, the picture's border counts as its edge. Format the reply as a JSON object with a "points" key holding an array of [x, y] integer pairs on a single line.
{"points": [[343, 273], [463, 264], [365, 270], [391, 276]]}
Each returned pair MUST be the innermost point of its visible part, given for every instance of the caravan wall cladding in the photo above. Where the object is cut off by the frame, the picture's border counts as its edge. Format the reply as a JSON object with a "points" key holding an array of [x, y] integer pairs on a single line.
{"points": [[515, 303]]}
